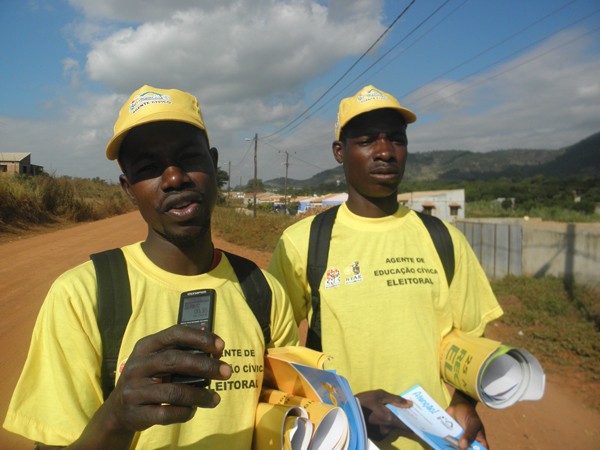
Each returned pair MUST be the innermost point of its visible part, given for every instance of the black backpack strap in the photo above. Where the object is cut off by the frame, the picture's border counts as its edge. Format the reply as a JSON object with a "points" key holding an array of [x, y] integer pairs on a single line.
{"points": [[114, 310], [256, 289], [318, 251], [443, 242]]}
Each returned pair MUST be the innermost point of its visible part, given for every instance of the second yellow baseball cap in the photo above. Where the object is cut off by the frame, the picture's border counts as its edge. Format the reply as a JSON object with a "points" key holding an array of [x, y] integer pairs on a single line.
{"points": [[368, 99], [151, 104]]}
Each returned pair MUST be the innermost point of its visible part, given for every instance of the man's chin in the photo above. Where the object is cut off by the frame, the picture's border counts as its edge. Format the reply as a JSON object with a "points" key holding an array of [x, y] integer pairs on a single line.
{"points": [[186, 236]]}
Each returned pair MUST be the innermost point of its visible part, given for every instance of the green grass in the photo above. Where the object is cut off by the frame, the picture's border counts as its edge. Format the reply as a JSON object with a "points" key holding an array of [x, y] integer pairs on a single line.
{"points": [[260, 233], [554, 321]]}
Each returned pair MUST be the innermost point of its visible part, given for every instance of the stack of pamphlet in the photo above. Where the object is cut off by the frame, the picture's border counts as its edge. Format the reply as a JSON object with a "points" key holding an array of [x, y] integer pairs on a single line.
{"points": [[304, 406]]}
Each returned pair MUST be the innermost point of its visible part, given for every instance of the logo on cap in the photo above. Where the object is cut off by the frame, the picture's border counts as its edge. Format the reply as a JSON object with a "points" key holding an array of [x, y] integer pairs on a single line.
{"points": [[148, 98], [371, 94]]}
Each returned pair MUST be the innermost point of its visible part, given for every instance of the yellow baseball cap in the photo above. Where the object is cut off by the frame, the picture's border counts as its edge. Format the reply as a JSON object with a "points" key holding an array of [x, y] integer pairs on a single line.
{"points": [[368, 99], [150, 104]]}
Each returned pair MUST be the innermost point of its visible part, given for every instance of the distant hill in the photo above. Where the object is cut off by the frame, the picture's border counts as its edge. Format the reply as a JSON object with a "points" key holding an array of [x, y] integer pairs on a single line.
{"points": [[580, 159]]}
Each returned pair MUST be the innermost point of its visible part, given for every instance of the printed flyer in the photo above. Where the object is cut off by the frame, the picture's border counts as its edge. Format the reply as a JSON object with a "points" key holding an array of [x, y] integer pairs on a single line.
{"points": [[430, 421]]}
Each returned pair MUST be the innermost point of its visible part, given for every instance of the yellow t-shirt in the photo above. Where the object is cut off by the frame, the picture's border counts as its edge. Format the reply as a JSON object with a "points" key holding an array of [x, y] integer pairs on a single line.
{"points": [[59, 389], [385, 302]]}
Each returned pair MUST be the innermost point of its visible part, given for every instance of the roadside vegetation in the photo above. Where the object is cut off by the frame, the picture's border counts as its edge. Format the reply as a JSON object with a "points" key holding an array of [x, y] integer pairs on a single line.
{"points": [[557, 323], [28, 202]]}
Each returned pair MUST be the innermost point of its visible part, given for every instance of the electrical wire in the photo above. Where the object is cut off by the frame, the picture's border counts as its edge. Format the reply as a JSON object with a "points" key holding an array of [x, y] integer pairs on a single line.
{"points": [[337, 94], [345, 73], [533, 58]]}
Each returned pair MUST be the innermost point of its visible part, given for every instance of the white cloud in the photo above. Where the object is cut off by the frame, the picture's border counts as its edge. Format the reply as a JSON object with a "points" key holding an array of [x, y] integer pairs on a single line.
{"points": [[239, 51], [546, 98], [140, 10], [71, 70], [253, 65]]}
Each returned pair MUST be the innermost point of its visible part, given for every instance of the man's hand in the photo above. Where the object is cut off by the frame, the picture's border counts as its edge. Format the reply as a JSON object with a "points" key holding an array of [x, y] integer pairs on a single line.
{"points": [[380, 420], [143, 397], [462, 409]]}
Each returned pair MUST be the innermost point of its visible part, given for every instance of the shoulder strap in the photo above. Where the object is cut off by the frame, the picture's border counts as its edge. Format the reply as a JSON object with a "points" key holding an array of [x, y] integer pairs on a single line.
{"points": [[114, 309], [443, 242], [318, 251], [256, 289]]}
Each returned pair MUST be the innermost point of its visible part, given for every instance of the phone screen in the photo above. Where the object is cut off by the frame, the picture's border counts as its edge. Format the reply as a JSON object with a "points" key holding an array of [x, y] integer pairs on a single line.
{"points": [[196, 309]]}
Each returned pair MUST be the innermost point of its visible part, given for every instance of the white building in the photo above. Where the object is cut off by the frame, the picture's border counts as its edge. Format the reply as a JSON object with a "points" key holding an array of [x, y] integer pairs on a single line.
{"points": [[447, 205]]}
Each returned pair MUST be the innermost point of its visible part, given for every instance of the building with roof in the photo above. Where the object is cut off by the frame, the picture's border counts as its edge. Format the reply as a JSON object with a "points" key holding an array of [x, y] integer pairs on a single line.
{"points": [[448, 205], [11, 163]]}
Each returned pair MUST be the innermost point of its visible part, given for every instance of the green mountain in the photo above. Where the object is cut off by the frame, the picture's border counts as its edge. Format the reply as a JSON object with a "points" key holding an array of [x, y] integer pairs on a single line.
{"points": [[580, 159]]}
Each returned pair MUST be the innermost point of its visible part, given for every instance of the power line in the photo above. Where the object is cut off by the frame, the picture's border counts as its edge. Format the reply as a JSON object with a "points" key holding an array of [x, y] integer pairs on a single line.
{"points": [[533, 58], [373, 64], [345, 73], [497, 44], [250, 146]]}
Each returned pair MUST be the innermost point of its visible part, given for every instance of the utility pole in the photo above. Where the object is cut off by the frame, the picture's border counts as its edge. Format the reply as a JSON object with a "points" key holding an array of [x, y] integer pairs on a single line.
{"points": [[287, 155], [255, 171], [229, 184]]}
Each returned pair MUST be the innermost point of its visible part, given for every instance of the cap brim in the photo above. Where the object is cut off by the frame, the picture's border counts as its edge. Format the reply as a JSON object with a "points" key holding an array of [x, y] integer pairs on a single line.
{"points": [[114, 145], [407, 115]]}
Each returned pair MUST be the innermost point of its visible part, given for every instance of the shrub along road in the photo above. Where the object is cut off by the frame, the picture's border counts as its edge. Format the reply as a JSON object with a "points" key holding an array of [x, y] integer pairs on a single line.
{"points": [[29, 266]]}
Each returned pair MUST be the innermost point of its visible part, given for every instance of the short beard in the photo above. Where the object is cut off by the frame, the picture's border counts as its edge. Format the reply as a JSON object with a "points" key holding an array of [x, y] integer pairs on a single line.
{"points": [[189, 235]]}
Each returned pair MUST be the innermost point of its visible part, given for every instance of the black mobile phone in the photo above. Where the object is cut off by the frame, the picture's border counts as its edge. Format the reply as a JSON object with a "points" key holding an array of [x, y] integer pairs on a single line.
{"points": [[196, 310]]}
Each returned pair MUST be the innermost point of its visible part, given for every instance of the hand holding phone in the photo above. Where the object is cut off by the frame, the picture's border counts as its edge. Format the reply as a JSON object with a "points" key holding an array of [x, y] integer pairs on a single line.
{"points": [[196, 310]]}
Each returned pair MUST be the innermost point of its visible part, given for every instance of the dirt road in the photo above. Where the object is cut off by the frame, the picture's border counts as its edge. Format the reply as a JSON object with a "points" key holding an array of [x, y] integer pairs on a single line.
{"points": [[28, 267]]}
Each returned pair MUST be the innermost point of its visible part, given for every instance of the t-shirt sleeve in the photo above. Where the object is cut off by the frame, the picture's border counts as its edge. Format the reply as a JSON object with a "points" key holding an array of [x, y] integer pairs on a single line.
{"points": [[474, 304], [288, 266], [284, 330], [59, 389]]}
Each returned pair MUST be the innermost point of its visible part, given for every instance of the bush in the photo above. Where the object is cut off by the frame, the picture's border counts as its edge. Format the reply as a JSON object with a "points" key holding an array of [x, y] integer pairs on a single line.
{"points": [[26, 201], [260, 233]]}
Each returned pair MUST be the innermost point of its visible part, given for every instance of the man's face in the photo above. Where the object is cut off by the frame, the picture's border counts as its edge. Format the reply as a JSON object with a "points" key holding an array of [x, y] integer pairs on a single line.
{"points": [[374, 152], [170, 173]]}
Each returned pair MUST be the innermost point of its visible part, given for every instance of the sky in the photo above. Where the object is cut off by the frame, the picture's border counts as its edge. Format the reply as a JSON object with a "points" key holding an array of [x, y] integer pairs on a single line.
{"points": [[480, 75]]}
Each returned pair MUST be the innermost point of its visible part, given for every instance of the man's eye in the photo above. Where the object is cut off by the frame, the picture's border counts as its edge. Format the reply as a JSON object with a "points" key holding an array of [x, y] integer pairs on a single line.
{"points": [[146, 168], [399, 139]]}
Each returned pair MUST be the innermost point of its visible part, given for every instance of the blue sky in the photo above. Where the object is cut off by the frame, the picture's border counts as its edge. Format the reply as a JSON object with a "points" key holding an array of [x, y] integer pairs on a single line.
{"points": [[481, 75]]}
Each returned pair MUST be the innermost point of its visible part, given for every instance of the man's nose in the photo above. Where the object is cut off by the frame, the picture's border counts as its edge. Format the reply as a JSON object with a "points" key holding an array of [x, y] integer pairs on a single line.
{"points": [[384, 147], [174, 177]]}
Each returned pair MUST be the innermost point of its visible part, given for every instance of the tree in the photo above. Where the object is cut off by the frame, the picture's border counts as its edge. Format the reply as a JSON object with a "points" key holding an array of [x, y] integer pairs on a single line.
{"points": [[222, 178], [260, 186]]}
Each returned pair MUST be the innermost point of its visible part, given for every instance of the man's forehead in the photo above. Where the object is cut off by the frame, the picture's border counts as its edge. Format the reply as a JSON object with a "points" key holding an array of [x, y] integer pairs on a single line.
{"points": [[387, 120], [147, 140]]}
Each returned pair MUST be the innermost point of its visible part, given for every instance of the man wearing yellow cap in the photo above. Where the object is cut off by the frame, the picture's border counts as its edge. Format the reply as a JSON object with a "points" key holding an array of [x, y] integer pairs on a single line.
{"points": [[169, 171], [385, 303]]}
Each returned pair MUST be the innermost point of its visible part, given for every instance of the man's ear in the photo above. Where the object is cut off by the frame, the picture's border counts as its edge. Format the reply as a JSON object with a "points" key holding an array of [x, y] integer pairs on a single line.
{"points": [[126, 186], [214, 154], [338, 151]]}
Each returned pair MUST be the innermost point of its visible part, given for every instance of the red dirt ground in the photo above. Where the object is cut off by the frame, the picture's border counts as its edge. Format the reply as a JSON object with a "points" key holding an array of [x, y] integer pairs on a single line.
{"points": [[561, 420]]}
